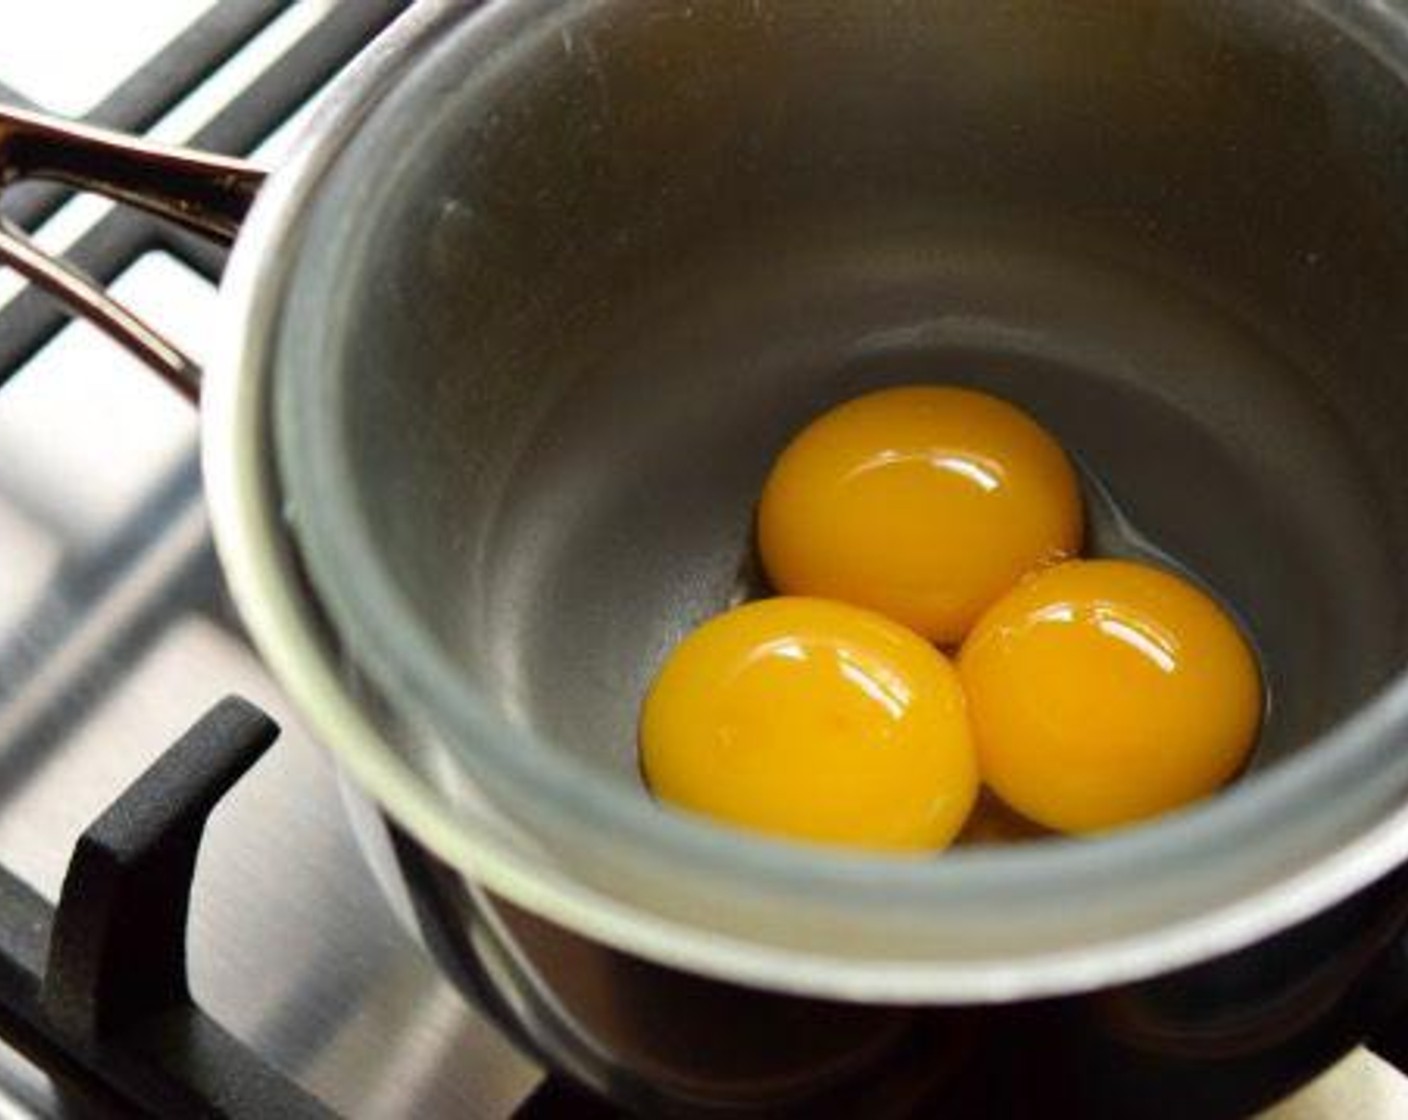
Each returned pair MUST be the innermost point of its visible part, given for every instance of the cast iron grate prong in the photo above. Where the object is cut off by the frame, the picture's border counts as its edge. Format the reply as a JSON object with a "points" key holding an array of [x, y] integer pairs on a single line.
{"points": [[104, 996], [117, 951]]}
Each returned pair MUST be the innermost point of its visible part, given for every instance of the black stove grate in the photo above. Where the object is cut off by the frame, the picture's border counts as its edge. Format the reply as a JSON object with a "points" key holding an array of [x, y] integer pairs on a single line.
{"points": [[95, 989]]}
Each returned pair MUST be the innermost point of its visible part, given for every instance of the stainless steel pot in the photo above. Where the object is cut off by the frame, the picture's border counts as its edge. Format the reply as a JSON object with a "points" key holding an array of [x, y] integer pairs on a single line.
{"points": [[510, 343]]}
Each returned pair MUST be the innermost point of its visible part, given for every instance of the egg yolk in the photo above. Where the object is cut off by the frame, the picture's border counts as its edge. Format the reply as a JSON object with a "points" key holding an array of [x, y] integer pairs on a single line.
{"points": [[815, 721], [924, 503], [1104, 692]]}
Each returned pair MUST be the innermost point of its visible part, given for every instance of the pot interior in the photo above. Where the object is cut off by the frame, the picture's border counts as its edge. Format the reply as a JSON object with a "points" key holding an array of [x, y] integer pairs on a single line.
{"points": [[575, 284]]}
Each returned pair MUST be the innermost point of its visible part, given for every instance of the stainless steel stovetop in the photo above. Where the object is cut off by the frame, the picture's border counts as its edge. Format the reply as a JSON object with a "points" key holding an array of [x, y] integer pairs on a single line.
{"points": [[115, 634]]}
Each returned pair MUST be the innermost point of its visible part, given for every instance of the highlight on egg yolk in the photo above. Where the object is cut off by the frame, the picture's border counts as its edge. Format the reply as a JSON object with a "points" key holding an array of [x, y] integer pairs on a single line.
{"points": [[924, 503], [1104, 692], [814, 721]]}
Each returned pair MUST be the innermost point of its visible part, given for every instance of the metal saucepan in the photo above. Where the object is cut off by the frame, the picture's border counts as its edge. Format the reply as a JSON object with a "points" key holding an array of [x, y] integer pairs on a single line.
{"points": [[509, 344]]}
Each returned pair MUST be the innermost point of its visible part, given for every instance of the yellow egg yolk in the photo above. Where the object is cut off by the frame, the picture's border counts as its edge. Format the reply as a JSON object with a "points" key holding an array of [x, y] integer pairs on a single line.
{"points": [[924, 503], [1104, 692], [814, 721]]}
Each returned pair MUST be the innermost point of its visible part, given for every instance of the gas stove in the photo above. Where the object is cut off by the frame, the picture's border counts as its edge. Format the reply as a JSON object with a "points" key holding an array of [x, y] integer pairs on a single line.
{"points": [[285, 987], [115, 632]]}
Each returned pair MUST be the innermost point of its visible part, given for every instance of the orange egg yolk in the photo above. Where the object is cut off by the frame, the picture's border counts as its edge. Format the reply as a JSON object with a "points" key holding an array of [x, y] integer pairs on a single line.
{"points": [[924, 503], [814, 721], [1104, 692]]}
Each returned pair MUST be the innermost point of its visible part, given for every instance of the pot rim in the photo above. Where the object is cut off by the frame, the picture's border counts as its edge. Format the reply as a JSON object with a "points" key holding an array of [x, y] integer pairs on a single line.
{"points": [[262, 572]]}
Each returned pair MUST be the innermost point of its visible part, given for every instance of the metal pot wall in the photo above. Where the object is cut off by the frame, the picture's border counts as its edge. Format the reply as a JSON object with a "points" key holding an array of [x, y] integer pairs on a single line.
{"points": [[511, 341], [1227, 1037]]}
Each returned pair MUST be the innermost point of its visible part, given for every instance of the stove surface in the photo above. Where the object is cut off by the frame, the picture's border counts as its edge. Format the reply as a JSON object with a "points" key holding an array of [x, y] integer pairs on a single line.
{"points": [[116, 633]]}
